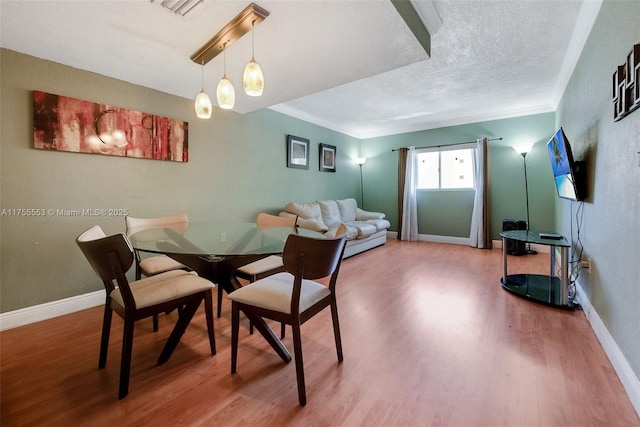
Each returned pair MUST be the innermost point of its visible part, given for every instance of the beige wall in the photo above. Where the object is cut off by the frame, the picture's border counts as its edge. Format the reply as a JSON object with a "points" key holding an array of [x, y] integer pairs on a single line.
{"points": [[236, 168], [610, 231]]}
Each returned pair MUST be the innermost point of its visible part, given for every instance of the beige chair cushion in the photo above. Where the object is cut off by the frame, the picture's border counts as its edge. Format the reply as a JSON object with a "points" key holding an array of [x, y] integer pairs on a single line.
{"points": [[159, 264], [162, 288], [262, 265], [274, 293]]}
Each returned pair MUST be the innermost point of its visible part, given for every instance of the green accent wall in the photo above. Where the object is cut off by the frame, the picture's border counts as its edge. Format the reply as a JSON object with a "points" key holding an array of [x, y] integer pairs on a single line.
{"points": [[448, 213]]}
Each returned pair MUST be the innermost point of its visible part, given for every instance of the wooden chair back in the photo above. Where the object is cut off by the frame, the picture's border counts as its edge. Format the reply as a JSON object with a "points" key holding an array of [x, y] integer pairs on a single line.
{"points": [[110, 257], [137, 224], [265, 220], [311, 258]]}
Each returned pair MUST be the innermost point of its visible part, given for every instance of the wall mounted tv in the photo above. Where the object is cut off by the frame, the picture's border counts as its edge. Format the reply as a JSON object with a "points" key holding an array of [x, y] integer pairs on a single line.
{"points": [[569, 175]]}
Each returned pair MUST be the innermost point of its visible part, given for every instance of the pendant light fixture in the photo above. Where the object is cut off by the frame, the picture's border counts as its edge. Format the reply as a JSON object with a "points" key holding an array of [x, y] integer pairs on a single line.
{"points": [[225, 93], [253, 79], [203, 103]]}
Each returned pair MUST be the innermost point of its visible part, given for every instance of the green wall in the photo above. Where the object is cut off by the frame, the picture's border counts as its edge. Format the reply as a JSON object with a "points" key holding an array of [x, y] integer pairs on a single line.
{"points": [[448, 213], [237, 167], [610, 227]]}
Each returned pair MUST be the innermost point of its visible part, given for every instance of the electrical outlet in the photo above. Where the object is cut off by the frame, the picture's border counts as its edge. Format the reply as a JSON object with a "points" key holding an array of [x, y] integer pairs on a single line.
{"points": [[585, 264]]}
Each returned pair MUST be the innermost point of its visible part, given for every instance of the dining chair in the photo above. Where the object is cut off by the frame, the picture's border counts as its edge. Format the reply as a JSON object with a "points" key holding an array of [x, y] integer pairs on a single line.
{"points": [[266, 266], [111, 257], [155, 264], [294, 296]]}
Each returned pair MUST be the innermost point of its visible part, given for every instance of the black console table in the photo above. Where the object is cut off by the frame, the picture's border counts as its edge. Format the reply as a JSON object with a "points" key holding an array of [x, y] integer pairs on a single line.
{"points": [[546, 289]]}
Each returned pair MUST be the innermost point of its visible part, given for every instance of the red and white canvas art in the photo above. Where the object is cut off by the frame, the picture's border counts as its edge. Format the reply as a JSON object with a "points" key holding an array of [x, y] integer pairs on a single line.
{"points": [[61, 123]]}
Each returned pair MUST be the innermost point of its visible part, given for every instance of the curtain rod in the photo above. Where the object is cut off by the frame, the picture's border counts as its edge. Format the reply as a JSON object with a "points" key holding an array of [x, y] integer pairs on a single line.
{"points": [[448, 145]]}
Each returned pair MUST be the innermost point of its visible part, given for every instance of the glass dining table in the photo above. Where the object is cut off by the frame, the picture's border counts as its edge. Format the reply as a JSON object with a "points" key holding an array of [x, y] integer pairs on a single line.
{"points": [[215, 250]]}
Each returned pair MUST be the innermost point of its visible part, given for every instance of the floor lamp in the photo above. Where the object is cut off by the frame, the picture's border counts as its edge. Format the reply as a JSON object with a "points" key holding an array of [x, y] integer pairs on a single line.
{"points": [[361, 161], [523, 149]]}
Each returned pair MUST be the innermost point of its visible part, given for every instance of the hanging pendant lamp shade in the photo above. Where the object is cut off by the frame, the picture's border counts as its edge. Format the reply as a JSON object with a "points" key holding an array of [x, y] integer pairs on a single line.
{"points": [[203, 103], [253, 79], [225, 93]]}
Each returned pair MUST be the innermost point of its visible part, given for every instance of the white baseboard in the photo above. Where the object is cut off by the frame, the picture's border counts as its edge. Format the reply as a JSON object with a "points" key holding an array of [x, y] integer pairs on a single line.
{"points": [[620, 364], [49, 310], [443, 239], [434, 238]]}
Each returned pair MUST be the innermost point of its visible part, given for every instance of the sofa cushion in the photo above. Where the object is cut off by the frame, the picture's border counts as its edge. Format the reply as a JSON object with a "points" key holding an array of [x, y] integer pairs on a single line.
{"points": [[361, 229], [309, 215], [348, 208], [362, 215], [330, 213], [380, 224]]}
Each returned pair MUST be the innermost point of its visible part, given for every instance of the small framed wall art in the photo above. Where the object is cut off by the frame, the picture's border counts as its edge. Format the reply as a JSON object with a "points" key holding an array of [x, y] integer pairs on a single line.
{"points": [[626, 85], [327, 158], [297, 152]]}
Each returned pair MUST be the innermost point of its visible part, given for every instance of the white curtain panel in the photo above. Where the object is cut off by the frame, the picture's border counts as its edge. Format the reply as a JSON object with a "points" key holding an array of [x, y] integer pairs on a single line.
{"points": [[410, 205], [478, 237]]}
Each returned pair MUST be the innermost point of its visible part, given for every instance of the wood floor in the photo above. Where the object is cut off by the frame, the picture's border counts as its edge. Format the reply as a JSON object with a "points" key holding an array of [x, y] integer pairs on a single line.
{"points": [[430, 339]]}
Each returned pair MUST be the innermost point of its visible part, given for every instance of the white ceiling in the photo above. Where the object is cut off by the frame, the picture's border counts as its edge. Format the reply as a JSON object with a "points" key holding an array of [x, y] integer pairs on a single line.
{"points": [[352, 66]]}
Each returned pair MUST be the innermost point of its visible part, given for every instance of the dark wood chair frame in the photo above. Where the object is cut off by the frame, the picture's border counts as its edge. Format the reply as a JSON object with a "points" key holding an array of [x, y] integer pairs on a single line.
{"points": [[111, 257], [132, 223], [264, 221], [304, 258]]}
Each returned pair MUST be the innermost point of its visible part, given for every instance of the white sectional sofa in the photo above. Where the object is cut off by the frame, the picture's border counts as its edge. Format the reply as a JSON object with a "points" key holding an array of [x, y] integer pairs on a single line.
{"points": [[365, 230]]}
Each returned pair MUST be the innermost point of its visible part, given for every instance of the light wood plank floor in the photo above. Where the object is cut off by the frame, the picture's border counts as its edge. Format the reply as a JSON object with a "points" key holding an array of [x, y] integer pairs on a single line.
{"points": [[430, 338]]}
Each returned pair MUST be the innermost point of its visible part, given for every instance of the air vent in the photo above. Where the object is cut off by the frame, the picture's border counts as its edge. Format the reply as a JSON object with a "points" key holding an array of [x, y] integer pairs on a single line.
{"points": [[179, 7]]}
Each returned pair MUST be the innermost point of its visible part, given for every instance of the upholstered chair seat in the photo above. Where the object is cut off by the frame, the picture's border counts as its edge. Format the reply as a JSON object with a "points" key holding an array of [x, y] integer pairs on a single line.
{"points": [[275, 293], [161, 288]]}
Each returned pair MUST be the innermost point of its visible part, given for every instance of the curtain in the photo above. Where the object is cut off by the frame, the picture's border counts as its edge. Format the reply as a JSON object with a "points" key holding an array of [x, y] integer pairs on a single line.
{"points": [[480, 235], [410, 205], [402, 170]]}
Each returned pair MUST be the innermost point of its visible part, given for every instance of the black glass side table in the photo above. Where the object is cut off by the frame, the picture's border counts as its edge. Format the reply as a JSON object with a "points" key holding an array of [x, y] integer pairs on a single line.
{"points": [[552, 290]]}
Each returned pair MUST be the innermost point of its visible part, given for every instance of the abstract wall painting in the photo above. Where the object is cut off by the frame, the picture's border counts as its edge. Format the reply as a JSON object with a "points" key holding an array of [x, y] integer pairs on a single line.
{"points": [[62, 123]]}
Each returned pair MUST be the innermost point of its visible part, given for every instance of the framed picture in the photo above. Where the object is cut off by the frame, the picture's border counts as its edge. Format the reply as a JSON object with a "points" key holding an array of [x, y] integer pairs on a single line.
{"points": [[327, 158], [297, 152], [61, 123]]}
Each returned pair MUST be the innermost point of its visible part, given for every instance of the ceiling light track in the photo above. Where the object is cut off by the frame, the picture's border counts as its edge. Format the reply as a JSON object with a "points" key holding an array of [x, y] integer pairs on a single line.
{"points": [[233, 31]]}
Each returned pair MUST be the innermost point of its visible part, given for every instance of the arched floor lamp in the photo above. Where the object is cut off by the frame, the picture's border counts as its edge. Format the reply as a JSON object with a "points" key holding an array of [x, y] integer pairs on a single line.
{"points": [[361, 161]]}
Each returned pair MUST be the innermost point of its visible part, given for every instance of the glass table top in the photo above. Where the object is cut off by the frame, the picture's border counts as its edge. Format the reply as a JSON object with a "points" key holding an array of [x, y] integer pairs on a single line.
{"points": [[214, 238], [532, 236]]}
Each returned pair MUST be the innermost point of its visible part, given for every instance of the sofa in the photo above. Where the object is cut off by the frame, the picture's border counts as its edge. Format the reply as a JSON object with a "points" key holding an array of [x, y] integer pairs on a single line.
{"points": [[365, 230]]}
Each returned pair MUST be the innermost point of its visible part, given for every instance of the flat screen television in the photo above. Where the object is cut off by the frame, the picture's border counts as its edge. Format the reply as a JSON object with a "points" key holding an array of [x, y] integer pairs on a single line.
{"points": [[569, 175]]}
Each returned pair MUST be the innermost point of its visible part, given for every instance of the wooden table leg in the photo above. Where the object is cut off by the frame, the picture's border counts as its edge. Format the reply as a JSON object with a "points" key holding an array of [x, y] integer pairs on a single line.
{"points": [[221, 272], [178, 330]]}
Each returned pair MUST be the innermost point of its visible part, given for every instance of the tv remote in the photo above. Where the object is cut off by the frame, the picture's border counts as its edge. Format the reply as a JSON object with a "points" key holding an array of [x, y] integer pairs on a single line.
{"points": [[554, 236]]}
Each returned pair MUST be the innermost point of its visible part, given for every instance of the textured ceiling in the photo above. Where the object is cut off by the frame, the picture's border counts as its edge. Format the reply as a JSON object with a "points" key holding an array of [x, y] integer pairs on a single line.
{"points": [[352, 66]]}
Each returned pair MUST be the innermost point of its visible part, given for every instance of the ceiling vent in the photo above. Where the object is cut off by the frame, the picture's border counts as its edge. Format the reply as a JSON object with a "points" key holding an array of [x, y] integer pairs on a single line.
{"points": [[179, 7]]}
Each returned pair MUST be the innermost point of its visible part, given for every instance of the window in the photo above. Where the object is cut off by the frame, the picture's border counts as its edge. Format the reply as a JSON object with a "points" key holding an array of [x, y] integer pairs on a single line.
{"points": [[445, 169]]}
